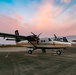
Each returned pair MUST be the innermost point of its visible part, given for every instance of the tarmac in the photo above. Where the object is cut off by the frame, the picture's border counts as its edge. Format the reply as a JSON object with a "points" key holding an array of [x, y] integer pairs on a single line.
{"points": [[17, 61]]}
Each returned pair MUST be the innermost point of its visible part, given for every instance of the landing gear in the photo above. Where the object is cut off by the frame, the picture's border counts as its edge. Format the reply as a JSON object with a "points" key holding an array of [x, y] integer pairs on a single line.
{"points": [[58, 52], [30, 51], [43, 50]]}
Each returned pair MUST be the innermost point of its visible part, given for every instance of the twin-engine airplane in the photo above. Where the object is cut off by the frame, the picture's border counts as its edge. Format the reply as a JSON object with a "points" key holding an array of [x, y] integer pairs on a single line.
{"points": [[35, 42]]}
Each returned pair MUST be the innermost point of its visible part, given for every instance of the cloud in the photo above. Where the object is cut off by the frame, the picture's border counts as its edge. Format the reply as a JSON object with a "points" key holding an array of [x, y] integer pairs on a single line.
{"points": [[65, 1], [47, 18], [8, 24]]}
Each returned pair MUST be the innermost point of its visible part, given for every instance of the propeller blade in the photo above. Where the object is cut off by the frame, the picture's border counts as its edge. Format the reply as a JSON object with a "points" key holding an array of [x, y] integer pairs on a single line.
{"points": [[39, 34], [55, 36], [32, 33]]}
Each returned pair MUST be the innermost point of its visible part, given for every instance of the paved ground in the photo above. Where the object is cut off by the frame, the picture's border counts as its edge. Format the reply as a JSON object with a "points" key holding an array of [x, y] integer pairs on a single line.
{"points": [[22, 63]]}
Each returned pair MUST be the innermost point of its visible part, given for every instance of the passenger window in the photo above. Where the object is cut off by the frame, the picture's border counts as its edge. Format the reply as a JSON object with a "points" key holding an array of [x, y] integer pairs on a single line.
{"points": [[42, 40]]}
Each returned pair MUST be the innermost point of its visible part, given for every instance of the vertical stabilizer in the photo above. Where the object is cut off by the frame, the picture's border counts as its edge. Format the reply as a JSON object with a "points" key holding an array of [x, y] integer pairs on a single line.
{"points": [[16, 32], [17, 39]]}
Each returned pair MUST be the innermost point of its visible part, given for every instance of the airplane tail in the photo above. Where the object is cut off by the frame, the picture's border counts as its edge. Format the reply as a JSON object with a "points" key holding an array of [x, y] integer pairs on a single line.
{"points": [[17, 39], [17, 33]]}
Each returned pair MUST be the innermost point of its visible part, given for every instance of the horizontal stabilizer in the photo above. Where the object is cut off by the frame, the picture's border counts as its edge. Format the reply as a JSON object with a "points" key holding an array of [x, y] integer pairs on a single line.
{"points": [[10, 39]]}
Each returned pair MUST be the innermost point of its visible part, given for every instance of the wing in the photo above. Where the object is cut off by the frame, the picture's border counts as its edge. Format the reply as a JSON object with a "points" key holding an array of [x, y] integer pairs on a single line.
{"points": [[15, 37], [5, 35]]}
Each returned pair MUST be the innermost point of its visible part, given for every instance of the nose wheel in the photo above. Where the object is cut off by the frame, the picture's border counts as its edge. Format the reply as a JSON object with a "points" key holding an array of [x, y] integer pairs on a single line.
{"points": [[58, 52], [43, 51], [30, 51]]}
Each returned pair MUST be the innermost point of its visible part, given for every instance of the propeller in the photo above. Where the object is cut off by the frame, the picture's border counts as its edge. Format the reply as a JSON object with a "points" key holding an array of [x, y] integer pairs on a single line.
{"points": [[36, 37], [55, 36], [39, 34], [33, 33]]}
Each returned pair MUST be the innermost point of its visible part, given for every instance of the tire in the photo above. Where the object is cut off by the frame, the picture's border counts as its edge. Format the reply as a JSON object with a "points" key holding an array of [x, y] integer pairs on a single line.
{"points": [[30, 51], [43, 50], [58, 52]]}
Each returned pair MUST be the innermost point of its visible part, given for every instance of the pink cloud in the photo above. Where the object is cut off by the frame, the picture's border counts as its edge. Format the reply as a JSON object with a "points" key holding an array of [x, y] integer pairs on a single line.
{"points": [[44, 19], [47, 19], [8, 24]]}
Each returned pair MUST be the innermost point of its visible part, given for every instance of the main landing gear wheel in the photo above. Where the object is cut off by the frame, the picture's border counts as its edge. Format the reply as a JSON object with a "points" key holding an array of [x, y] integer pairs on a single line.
{"points": [[43, 50], [30, 51], [58, 52]]}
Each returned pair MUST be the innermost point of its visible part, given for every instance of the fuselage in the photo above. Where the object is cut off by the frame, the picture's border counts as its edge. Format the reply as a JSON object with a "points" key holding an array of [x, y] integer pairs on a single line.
{"points": [[47, 43]]}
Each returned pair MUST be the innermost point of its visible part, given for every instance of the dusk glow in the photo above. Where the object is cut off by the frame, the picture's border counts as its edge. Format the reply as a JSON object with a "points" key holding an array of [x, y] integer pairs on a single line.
{"points": [[46, 16]]}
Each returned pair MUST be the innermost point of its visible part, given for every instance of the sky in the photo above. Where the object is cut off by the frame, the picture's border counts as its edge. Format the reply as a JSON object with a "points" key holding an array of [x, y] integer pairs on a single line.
{"points": [[39, 16]]}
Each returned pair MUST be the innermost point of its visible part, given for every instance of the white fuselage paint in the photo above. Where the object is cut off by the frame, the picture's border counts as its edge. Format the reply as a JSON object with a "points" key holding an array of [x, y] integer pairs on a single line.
{"points": [[48, 43]]}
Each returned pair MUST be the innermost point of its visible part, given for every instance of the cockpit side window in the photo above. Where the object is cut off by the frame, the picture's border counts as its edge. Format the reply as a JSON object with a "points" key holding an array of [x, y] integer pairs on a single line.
{"points": [[49, 39]]}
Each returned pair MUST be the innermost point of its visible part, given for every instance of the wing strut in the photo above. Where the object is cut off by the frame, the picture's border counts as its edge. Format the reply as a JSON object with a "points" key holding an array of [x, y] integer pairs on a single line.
{"points": [[33, 44]]}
